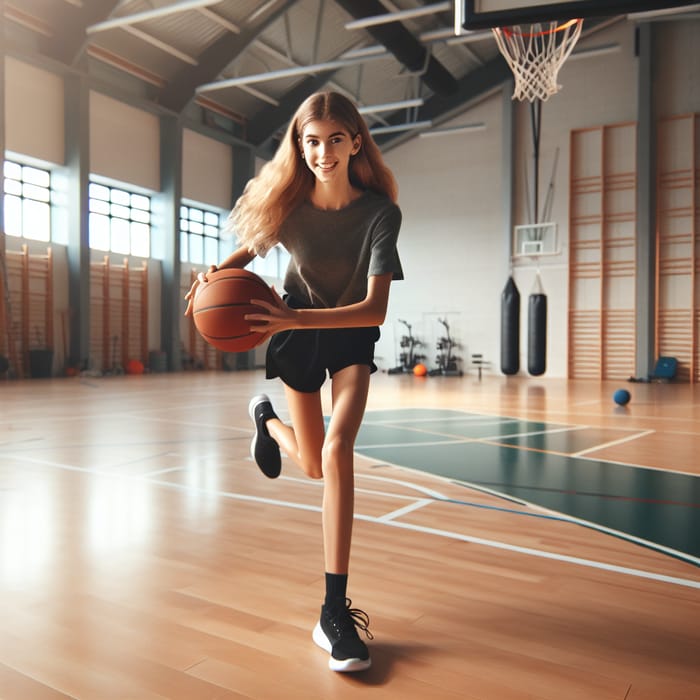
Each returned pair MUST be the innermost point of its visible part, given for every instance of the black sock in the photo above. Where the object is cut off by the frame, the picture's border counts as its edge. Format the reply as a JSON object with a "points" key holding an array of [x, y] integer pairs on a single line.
{"points": [[336, 587]]}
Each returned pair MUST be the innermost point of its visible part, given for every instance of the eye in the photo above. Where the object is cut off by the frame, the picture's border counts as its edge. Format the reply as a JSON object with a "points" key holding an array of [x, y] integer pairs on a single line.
{"points": [[312, 142]]}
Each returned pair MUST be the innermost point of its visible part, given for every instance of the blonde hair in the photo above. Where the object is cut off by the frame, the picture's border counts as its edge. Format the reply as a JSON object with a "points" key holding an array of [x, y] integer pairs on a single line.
{"points": [[285, 181]]}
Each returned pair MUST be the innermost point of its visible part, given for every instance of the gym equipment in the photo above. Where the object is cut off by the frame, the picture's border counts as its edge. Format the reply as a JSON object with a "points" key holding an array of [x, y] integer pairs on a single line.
{"points": [[6, 320], [408, 358], [446, 361], [664, 371], [221, 304], [116, 368], [537, 330], [537, 335], [510, 328], [479, 362], [622, 397]]}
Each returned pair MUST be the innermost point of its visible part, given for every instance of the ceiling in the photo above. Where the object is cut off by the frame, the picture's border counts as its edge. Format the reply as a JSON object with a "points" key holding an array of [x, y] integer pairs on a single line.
{"points": [[245, 65]]}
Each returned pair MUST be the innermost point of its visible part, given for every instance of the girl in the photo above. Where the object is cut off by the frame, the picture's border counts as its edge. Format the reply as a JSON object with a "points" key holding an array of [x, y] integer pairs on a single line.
{"points": [[328, 197]]}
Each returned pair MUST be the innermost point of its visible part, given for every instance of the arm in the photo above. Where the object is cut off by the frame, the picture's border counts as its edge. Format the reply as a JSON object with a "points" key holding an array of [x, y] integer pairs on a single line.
{"points": [[371, 311]]}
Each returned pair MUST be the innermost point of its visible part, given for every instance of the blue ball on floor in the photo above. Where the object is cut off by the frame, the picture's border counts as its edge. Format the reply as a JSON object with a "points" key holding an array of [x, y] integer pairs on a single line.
{"points": [[622, 397]]}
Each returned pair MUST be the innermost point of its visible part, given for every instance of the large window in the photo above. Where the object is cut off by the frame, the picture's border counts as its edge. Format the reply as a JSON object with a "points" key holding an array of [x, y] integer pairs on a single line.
{"points": [[27, 192], [120, 221], [199, 236]]}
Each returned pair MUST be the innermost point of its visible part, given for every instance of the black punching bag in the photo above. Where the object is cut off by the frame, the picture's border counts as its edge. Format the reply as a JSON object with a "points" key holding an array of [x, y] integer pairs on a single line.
{"points": [[510, 328], [537, 333]]}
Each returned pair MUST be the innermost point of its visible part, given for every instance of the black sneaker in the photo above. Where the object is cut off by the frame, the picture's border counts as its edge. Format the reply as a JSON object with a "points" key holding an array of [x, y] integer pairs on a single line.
{"points": [[263, 449], [336, 633]]}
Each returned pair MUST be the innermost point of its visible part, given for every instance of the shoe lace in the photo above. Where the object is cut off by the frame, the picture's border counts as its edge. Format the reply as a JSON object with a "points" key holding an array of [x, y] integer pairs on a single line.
{"points": [[347, 617]]}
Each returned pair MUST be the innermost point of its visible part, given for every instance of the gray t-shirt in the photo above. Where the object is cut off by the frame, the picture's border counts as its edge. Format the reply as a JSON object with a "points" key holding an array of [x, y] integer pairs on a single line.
{"points": [[333, 252]]}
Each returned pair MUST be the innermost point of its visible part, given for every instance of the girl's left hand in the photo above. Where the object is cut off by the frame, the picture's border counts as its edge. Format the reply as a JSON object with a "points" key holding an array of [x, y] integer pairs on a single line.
{"points": [[279, 316]]}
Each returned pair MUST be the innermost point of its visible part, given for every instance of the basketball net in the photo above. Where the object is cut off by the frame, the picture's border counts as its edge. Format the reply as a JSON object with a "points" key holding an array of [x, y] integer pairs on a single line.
{"points": [[535, 56]]}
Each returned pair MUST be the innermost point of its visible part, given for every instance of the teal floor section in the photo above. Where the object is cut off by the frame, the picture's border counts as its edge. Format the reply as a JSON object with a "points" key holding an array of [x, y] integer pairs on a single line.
{"points": [[500, 454]]}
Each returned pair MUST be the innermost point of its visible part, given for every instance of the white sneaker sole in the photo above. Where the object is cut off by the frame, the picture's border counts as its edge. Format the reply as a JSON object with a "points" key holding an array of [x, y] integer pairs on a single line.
{"points": [[344, 665]]}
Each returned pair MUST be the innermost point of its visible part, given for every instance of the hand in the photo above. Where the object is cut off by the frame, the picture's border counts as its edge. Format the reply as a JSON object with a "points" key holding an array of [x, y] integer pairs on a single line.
{"points": [[278, 316], [201, 279]]}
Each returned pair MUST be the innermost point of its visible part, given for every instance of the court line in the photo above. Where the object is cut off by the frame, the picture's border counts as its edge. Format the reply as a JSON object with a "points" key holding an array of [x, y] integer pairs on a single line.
{"points": [[406, 509], [427, 443], [570, 429], [612, 443], [528, 551]]}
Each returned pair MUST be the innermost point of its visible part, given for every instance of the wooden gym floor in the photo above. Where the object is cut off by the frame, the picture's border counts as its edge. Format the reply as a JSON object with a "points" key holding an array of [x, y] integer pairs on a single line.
{"points": [[515, 539]]}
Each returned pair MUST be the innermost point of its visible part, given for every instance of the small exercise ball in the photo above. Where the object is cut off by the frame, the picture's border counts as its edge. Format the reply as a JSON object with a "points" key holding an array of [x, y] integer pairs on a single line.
{"points": [[420, 370], [134, 367], [621, 397]]}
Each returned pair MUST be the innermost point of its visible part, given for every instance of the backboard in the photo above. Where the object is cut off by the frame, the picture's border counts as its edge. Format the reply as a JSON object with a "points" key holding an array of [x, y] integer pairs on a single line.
{"points": [[485, 14]]}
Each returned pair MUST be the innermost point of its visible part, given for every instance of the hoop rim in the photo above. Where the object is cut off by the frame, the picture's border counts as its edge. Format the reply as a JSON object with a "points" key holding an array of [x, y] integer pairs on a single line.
{"points": [[508, 30]]}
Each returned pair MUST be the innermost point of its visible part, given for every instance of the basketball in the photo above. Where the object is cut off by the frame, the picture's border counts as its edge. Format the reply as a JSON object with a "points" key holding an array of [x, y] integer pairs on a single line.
{"points": [[420, 370], [221, 304], [622, 397]]}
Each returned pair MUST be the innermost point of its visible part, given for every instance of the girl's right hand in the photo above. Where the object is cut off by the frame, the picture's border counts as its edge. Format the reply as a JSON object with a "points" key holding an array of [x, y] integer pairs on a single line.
{"points": [[201, 278]]}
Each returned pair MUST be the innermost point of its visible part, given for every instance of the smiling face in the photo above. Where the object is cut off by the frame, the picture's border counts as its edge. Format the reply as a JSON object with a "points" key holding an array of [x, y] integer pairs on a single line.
{"points": [[327, 148]]}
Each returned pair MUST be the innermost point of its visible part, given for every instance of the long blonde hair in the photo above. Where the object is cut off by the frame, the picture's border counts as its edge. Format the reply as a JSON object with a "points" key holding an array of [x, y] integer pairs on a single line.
{"points": [[285, 181]]}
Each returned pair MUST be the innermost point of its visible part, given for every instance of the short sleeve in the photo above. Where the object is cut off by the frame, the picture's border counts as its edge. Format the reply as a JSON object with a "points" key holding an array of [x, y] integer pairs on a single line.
{"points": [[384, 255]]}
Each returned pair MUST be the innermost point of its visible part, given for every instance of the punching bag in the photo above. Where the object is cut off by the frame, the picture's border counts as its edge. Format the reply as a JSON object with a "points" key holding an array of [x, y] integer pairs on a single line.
{"points": [[510, 328], [537, 332]]}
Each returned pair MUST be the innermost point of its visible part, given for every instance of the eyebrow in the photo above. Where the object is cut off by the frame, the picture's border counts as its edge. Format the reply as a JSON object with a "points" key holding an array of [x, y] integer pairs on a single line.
{"points": [[330, 136]]}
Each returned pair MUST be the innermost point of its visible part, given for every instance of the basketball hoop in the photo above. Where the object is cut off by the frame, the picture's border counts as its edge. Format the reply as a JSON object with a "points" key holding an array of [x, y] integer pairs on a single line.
{"points": [[536, 56]]}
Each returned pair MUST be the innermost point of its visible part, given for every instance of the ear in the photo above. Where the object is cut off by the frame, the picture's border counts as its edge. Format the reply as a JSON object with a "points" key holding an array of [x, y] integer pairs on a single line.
{"points": [[356, 144]]}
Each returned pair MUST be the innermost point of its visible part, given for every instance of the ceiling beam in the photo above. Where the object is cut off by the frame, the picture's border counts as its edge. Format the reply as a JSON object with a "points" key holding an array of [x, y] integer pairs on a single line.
{"points": [[267, 123], [68, 44], [472, 87], [405, 46], [181, 89]]}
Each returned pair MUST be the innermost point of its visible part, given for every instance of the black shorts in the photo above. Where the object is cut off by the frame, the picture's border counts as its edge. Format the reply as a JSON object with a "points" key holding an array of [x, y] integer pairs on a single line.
{"points": [[300, 358]]}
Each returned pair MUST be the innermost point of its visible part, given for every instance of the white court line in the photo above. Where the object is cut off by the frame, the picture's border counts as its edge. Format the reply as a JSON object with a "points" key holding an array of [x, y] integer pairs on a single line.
{"points": [[405, 510], [163, 471], [408, 484], [318, 483], [427, 443], [604, 445], [400, 422], [528, 551], [569, 429], [540, 553]]}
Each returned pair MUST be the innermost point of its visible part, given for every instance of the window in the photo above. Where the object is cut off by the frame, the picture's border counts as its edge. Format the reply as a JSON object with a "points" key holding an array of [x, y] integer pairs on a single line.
{"points": [[120, 221], [274, 264], [199, 236], [27, 192]]}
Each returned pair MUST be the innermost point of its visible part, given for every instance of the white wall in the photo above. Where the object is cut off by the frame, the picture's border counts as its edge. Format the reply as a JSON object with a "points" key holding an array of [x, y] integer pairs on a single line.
{"points": [[34, 119], [677, 69], [124, 142], [451, 241], [201, 157]]}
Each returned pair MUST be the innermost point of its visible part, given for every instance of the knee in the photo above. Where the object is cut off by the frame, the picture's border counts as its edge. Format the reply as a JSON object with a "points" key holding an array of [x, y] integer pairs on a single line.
{"points": [[336, 453], [313, 465]]}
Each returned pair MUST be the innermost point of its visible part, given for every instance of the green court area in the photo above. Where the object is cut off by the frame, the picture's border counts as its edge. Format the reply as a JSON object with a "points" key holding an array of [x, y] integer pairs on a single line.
{"points": [[540, 463]]}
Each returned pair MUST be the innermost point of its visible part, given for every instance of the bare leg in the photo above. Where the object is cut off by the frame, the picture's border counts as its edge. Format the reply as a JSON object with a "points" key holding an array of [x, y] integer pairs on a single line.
{"points": [[328, 454], [303, 442], [350, 388]]}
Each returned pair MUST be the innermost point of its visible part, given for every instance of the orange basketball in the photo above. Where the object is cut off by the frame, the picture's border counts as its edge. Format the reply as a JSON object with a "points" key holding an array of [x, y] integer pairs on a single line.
{"points": [[221, 304]]}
